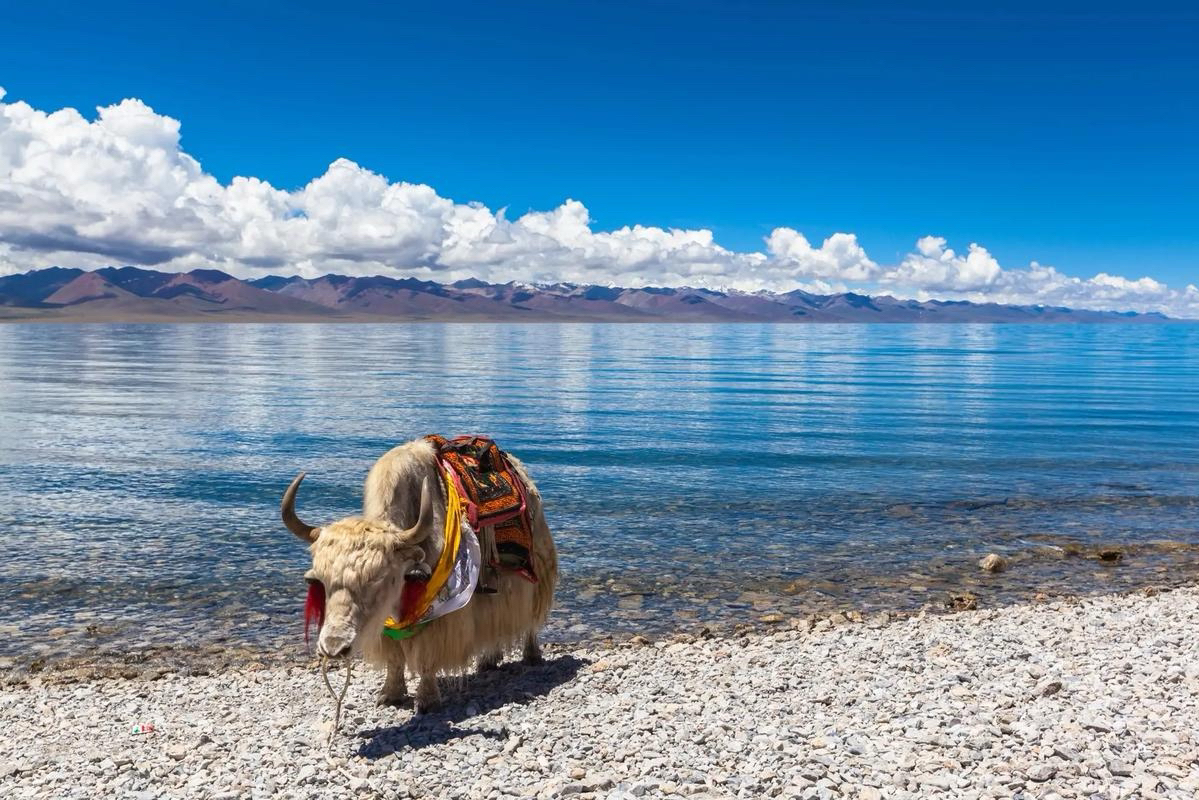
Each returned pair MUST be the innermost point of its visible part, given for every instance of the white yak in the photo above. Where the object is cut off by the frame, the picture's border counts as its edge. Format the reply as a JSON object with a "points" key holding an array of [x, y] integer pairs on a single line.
{"points": [[362, 563]]}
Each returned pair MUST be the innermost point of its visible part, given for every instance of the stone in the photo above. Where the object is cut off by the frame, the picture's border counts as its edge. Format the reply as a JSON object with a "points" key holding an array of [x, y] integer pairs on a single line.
{"points": [[962, 601], [939, 780], [993, 563], [1041, 773]]}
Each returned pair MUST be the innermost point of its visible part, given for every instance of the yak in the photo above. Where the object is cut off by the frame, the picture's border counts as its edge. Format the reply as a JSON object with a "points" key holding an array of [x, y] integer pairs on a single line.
{"points": [[362, 563]]}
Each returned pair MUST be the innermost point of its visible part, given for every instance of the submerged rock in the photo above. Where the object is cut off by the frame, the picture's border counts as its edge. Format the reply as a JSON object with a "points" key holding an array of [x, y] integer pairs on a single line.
{"points": [[993, 563]]}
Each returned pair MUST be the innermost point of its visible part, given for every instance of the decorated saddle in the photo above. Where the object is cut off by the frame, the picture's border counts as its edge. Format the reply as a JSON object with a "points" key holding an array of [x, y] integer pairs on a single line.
{"points": [[494, 497], [484, 490]]}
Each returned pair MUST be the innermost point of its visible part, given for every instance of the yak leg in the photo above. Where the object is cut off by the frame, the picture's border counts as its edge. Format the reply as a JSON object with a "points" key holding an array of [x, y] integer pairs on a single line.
{"points": [[428, 695], [490, 661], [395, 687], [532, 654]]}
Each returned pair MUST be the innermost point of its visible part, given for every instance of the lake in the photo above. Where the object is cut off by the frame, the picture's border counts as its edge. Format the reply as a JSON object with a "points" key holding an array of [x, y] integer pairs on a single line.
{"points": [[693, 474]]}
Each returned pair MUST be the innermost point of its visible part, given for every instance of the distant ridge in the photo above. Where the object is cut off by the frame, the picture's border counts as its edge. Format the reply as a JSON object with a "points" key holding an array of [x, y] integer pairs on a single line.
{"points": [[133, 294]]}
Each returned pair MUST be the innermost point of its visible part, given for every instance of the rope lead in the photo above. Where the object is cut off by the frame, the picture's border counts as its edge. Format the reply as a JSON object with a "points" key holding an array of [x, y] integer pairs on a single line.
{"points": [[337, 698]]}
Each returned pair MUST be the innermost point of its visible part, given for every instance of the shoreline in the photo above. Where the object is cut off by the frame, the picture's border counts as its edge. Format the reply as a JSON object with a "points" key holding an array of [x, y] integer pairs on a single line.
{"points": [[1070, 697], [70, 315], [88, 640], [157, 661]]}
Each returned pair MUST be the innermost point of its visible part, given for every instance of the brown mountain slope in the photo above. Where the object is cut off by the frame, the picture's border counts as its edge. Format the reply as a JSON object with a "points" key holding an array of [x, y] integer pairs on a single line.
{"points": [[392, 297], [185, 295], [88, 287]]}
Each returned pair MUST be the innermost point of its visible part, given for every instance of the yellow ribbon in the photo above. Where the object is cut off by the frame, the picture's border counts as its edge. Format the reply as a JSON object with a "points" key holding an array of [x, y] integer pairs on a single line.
{"points": [[454, 511]]}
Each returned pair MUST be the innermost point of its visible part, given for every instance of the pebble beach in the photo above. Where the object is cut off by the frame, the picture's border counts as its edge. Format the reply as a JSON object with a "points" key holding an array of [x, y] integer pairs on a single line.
{"points": [[1070, 698]]}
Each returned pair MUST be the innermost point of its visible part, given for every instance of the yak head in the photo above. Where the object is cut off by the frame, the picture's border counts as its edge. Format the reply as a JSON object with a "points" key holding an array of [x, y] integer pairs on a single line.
{"points": [[357, 572]]}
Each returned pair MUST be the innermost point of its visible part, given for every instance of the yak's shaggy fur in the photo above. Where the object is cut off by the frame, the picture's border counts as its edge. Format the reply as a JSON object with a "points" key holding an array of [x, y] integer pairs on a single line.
{"points": [[362, 560]]}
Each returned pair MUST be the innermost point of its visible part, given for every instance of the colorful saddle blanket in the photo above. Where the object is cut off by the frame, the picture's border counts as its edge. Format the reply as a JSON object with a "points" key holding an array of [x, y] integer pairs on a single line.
{"points": [[493, 493]]}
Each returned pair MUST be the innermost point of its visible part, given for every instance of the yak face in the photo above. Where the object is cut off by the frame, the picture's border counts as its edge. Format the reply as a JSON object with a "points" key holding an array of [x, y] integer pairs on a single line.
{"points": [[359, 565]]}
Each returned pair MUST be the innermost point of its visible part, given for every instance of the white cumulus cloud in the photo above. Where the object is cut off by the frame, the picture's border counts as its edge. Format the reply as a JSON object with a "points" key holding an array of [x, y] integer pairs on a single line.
{"points": [[839, 258], [119, 189], [935, 267], [936, 271]]}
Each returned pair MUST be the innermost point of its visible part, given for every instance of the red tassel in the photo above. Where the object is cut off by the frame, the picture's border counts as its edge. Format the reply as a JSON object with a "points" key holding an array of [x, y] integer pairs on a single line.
{"points": [[314, 608], [409, 597]]}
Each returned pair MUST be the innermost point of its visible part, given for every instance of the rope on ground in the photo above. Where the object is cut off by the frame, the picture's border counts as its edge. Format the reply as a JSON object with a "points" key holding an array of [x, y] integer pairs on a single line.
{"points": [[337, 698]]}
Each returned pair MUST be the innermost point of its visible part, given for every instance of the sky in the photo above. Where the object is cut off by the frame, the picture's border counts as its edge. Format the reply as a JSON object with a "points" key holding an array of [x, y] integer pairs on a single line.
{"points": [[1022, 152]]}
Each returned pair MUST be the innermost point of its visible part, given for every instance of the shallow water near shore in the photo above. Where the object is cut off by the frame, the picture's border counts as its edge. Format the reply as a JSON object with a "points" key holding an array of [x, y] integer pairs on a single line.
{"points": [[692, 474]]}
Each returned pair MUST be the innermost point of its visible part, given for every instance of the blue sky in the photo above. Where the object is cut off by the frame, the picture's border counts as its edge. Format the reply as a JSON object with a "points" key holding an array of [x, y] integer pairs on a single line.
{"points": [[1060, 133]]}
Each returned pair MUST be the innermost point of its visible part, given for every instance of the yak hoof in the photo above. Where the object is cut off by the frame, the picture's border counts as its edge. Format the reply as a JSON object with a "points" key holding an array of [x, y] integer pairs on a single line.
{"points": [[403, 701], [533, 659], [427, 706]]}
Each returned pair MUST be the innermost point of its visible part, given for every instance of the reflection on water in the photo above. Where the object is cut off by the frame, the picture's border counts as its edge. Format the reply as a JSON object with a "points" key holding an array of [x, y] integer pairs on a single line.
{"points": [[692, 473]]}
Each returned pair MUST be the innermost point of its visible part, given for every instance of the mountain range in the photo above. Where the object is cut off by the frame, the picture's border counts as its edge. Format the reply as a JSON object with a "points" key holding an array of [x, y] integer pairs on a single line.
{"points": [[142, 295]]}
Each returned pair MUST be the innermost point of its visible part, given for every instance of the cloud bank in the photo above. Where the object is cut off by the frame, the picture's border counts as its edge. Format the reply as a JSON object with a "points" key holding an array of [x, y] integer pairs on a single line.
{"points": [[119, 189]]}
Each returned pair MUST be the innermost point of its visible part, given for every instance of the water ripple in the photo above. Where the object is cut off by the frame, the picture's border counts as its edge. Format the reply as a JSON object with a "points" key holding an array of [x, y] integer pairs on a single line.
{"points": [[141, 465]]}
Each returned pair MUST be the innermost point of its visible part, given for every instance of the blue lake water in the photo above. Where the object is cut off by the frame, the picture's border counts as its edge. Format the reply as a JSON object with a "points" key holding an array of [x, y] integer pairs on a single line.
{"points": [[693, 474]]}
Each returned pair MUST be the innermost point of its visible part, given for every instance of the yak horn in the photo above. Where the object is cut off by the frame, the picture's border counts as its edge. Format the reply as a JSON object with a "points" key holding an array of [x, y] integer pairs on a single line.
{"points": [[288, 510], [425, 519]]}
